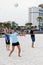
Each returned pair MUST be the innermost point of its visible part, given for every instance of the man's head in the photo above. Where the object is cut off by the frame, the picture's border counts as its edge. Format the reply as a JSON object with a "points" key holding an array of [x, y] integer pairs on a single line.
{"points": [[33, 28], [12, 30]]}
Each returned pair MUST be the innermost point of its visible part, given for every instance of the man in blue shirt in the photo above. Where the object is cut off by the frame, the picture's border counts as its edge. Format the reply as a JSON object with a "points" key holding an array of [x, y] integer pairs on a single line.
{"points": [[15, 42]]}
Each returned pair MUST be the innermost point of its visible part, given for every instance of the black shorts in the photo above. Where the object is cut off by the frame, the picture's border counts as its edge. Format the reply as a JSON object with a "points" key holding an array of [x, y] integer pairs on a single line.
{"points": [[15, 44], [7, 43]]}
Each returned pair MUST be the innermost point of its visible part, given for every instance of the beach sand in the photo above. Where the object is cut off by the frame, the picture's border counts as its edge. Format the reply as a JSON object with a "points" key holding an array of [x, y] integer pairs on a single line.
{"points": [[29, 55]]}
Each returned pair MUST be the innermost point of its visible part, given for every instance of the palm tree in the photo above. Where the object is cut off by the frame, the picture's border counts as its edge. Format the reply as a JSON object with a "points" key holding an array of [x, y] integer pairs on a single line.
{"points": [[28, 25], [8, 25], [1, 25], [14, 25], [18, 28], [39, 19]]}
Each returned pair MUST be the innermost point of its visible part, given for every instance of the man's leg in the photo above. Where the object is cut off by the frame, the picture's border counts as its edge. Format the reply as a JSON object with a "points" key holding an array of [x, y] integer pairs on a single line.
{"points": [[19, 50], [32, 44], [12, 50], [8, 47]]}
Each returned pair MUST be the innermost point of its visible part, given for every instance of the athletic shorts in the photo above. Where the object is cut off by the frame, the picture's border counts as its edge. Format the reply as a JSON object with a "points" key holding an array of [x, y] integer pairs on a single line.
{"points": [[33, 39], [7, 43], [15, 44]]}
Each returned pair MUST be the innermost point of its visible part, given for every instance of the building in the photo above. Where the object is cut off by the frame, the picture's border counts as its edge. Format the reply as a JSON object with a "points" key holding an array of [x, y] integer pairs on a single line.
{"points": [[35, 12]]}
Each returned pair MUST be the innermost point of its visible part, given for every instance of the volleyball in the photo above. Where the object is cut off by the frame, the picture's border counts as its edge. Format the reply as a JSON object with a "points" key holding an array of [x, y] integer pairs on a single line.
{"points": [[16, 5]]}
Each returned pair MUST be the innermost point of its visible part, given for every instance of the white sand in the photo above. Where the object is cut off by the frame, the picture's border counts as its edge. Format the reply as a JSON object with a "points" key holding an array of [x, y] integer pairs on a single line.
{"points": [[30, 56]]}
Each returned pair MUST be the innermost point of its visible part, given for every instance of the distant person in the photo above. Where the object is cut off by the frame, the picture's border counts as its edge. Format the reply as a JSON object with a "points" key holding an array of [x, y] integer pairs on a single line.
{"points": [[32, 36], [7, 39]]}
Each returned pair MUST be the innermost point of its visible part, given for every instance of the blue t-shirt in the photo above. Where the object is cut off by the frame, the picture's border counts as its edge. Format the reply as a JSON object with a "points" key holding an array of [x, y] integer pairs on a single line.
{"points": [[14, 37], [7, 37]]}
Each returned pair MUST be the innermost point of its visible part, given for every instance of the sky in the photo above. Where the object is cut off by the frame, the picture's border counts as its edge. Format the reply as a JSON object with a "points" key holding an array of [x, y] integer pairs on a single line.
{"points": [[19, 14]]}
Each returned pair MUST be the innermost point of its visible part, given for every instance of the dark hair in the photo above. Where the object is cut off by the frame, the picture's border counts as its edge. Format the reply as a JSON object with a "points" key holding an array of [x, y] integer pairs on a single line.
{"points": [[32, 27], [12, 28]]}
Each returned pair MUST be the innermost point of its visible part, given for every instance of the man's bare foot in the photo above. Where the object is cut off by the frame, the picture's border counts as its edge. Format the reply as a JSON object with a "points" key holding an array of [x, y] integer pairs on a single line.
{"points": [[19, 55], [32, 47], [9, 55]]}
